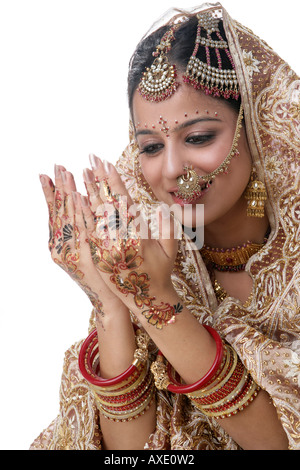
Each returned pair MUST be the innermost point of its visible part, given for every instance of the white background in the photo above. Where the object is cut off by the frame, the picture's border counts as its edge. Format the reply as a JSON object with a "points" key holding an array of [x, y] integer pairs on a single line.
{"points": [[63, 74]]}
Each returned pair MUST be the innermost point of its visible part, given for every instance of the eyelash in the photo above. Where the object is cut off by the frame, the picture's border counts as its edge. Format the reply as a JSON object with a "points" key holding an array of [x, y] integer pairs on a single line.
{"points": [[155, 148], [152, 149], [200, 139]]}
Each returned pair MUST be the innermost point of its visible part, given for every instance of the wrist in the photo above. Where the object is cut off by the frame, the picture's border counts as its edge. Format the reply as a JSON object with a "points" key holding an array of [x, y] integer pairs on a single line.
{"points": [[114, 306], [126, 395], [113, 319], [160, 309]]}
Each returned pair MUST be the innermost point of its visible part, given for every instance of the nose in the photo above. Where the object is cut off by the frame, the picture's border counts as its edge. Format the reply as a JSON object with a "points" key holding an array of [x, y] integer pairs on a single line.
{"points": [[173, 161]]}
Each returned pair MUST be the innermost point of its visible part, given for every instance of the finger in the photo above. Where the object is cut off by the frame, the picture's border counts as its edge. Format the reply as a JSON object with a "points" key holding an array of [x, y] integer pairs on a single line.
{"points": [[110, 181], [85, 224], [113, 192], [68, 182], [88, 215], [67, 232], [92, 189], [79, 222], [69, 187], [129, 212], [48, 190], [59, 190], [168, 231], [58, 210]]}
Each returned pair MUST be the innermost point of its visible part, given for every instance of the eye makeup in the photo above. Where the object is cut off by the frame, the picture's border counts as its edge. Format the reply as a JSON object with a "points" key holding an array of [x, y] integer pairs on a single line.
{"points": [[164, 125]]}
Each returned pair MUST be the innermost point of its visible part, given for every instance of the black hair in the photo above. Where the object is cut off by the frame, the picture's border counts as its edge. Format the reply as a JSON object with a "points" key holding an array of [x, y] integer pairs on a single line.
{"points": [[180, 53]]}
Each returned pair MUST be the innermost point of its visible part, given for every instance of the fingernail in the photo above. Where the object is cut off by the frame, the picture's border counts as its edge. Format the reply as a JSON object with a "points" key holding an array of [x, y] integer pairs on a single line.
{"points": [[57, 171], [107, 166], [88, 175], [43, 180], [63, 176], [95, 161]]}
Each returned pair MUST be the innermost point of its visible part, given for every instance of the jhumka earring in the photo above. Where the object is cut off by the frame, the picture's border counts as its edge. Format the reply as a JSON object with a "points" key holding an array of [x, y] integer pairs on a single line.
{"points": [[159, 81], [189, 187], [256, 196], [215, 81]]}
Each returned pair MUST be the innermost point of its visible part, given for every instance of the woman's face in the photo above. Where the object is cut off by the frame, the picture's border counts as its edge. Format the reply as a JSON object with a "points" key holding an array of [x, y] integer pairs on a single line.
{"points": [[191, 128]]}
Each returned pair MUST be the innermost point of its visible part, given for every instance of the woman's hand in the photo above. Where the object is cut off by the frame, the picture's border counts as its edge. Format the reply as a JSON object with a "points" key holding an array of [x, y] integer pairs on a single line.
{"points": [[70, 221], [136, 268]]}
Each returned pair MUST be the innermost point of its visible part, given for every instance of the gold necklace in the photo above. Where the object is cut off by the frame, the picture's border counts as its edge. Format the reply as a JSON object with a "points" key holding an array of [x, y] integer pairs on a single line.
{"points": [[221, 293], [230, 259]]}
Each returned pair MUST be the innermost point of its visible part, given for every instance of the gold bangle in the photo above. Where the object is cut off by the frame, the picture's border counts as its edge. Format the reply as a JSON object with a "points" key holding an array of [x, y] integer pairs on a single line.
{"points": [[116, 404], [133, 414], [236, 407], [129, 411], [232, 394], [106, 391]]}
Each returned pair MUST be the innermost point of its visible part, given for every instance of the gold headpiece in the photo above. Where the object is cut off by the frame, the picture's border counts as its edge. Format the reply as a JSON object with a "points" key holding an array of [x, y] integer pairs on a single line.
{"points": [[159, 81], [215, 81]]}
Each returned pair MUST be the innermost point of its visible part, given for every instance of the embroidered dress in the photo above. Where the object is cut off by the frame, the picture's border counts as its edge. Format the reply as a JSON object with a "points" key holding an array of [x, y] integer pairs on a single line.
{"points": [[265, 332]]}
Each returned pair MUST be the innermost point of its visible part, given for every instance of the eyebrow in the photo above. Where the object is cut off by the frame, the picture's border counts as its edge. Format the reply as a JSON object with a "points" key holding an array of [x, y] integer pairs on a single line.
{"points": [[178, 127]]}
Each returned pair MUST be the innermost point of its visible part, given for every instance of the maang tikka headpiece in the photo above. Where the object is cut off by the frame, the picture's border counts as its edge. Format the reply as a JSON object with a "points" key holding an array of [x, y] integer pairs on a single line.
{"points": [[215, 81], [220, 80], [159, 81]]}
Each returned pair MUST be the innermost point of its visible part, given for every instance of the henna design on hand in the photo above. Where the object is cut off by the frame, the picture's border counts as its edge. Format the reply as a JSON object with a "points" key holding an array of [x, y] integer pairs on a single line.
{"points": [[64, 235], [58, 200], [120, 258], [137, 285], [160, 315], [67, 232], [69, 263]]}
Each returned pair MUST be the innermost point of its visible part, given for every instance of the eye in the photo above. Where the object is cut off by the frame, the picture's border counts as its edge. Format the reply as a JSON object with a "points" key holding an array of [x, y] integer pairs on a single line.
{"points": [[200, 139], [151, 149]]}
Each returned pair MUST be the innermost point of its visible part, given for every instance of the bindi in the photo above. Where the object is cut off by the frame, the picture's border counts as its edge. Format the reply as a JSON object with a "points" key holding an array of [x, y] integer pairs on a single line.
{"points": [[164, 126]]}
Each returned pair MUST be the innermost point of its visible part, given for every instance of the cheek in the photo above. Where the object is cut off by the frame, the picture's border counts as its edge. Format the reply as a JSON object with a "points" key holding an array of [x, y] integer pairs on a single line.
{"points": [[230, 187], [242, 165], [239, 168], [211, 157], [151, 171]]}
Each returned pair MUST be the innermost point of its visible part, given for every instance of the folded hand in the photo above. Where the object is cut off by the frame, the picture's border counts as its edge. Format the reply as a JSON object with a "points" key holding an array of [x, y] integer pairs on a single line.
{"points": [[136, 268], [70, 220]]}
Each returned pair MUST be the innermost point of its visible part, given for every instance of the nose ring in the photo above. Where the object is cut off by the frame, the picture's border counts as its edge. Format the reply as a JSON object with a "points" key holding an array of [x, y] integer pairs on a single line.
{"points": [[188, 184]]}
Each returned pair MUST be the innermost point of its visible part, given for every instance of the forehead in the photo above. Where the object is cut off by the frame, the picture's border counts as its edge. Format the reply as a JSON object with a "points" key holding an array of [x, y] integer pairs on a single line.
{"points": [[185, 101]]}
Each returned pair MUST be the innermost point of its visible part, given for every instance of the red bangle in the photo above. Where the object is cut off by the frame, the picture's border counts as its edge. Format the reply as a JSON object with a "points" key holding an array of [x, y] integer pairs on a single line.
{"points": [[177, 387], [86, 356]]}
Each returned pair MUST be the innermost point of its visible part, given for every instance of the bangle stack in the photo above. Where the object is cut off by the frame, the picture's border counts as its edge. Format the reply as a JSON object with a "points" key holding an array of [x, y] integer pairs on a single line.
{"points": [[232, 389], [126, 396], [226, 389]]}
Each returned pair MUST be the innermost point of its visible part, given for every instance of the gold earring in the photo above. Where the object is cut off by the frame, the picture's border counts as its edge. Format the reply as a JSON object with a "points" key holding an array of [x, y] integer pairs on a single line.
{"points": [[256, 196]]}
